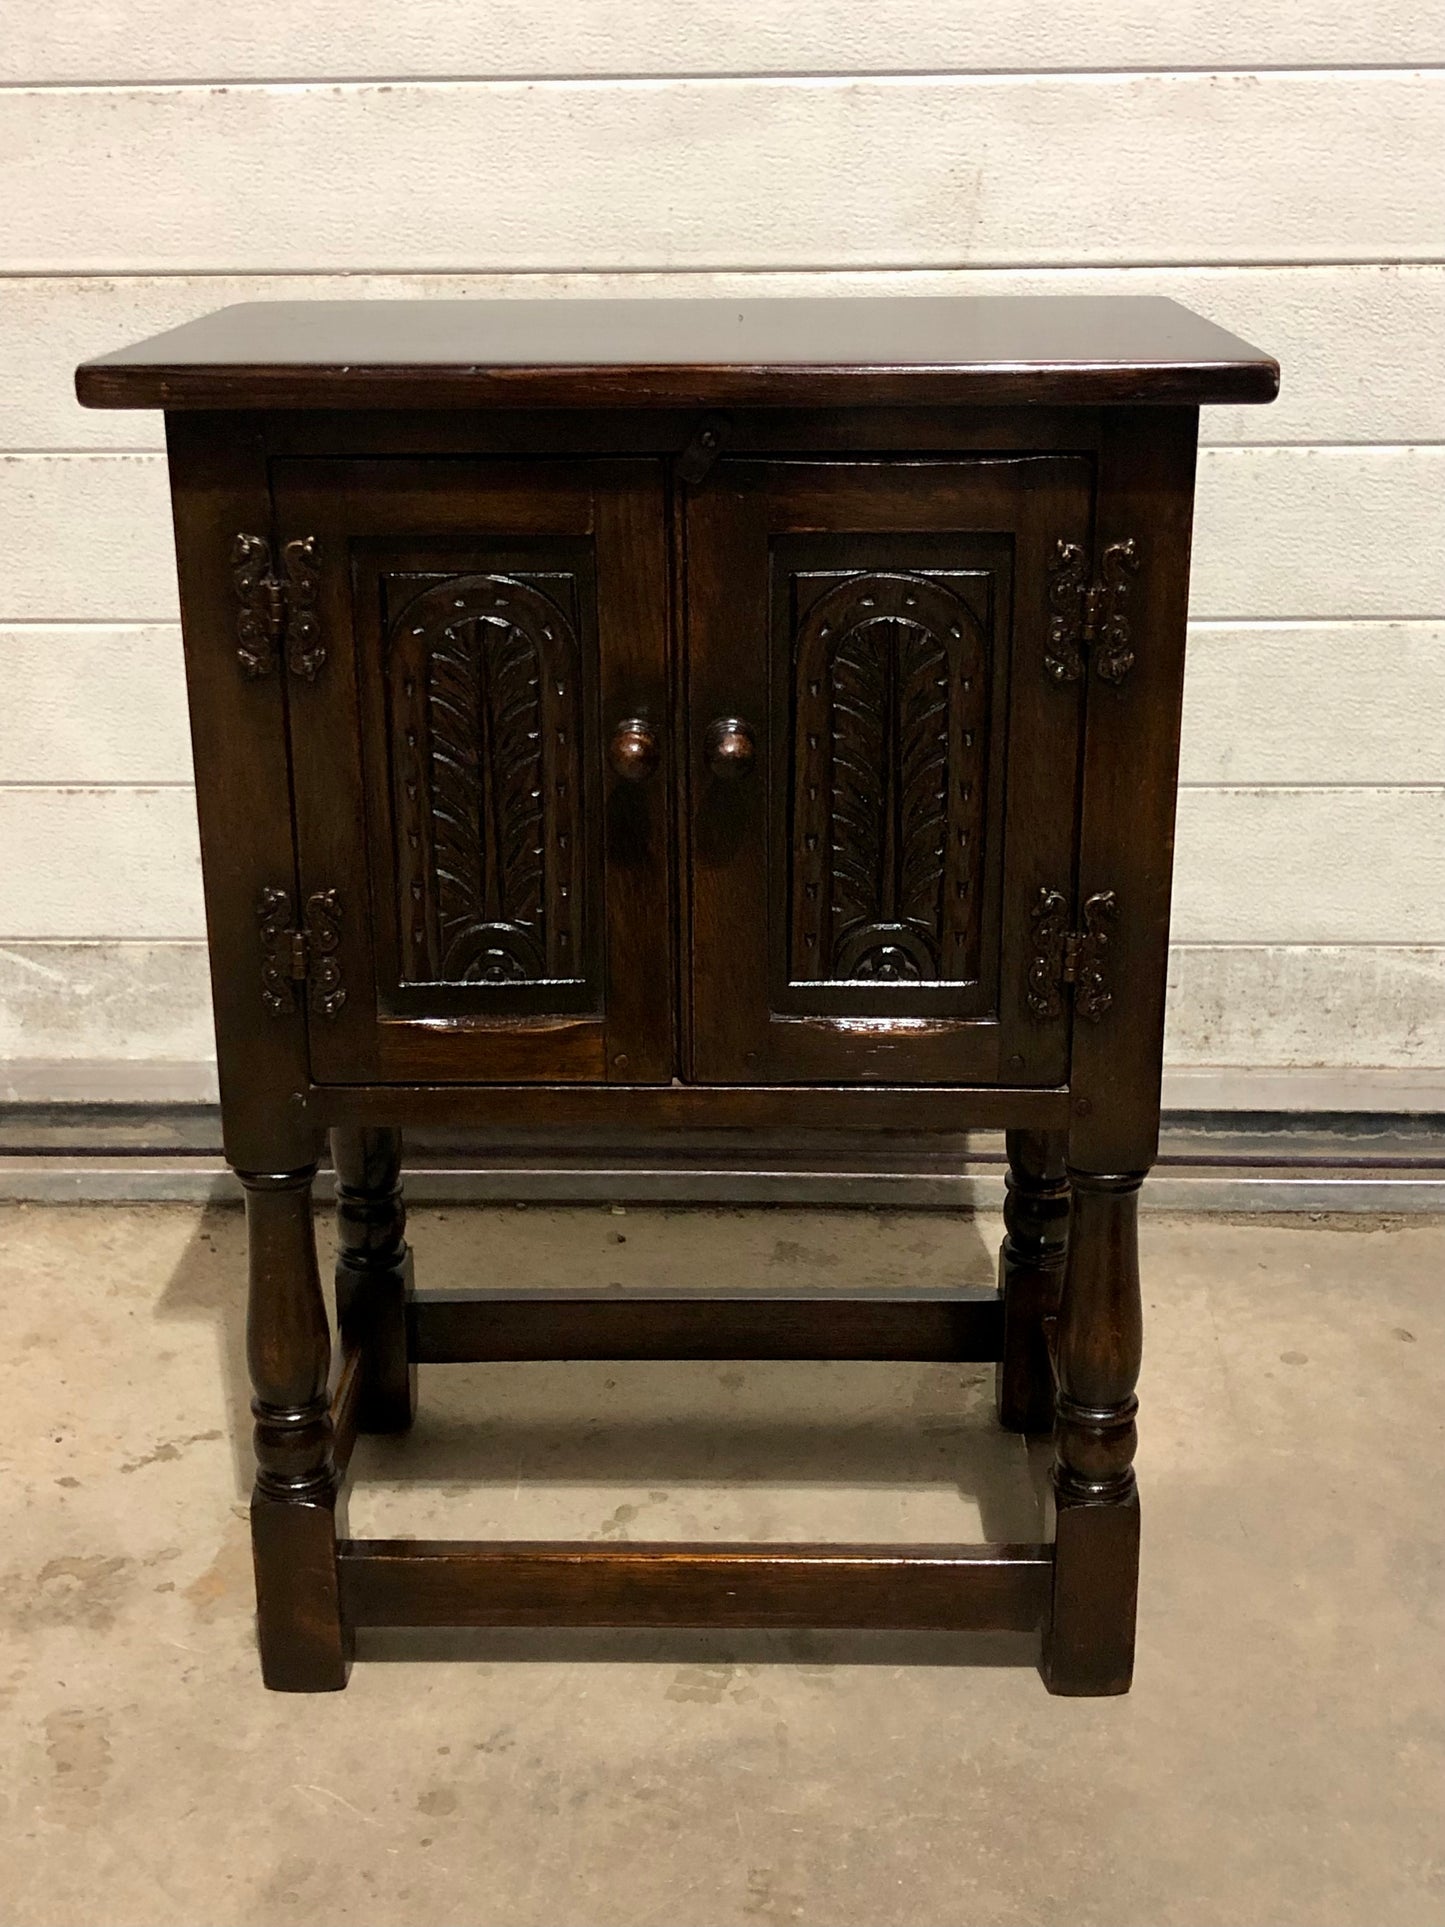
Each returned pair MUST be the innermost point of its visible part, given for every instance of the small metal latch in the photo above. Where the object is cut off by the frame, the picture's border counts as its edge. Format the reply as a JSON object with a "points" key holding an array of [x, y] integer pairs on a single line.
{"points": [[703, 450]]}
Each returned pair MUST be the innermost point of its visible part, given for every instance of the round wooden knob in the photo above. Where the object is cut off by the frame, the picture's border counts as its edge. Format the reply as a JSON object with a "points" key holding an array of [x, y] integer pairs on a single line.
{"points": [[729, 747], [634, 751]]}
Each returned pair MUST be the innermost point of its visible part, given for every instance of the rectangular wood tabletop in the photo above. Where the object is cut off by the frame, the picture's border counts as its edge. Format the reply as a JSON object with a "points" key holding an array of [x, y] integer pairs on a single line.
{"points": [[794, 352]]}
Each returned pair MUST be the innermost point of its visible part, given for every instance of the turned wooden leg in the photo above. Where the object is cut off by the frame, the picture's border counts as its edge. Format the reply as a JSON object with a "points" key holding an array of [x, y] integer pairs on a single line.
{"points": [[1089, 1646], [1031, 1276], [304, 1644], [374, 1273]]}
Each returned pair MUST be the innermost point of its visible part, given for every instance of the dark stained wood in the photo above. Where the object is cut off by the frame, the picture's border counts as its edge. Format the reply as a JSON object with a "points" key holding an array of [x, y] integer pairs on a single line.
{"points": [[921, 350], [346, 1401], [1089, 1648], [1031, 1276], [1130, 772], [487, 627], [733, 1107], [881, 634], [636, 821], [749, 716], [374, 1280], [218, 486], [463, 1327], [305, 1643], [641, 430], [506, 1048], [429, 1582], [487, 717]]}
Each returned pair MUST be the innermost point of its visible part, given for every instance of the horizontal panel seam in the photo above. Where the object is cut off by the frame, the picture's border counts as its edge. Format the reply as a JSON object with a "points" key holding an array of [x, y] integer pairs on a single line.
{"points": [[1399, 946], [1224, 625], [764, 77], [1432, 947], [100, 937], [97, 787], [94, 942], [1391, 263], [1310, 619], [1304, 787], [990, 264]]}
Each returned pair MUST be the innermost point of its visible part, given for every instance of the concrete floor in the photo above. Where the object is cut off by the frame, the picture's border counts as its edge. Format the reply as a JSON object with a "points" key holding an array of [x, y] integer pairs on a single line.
{"points": [[1279, 1761]]}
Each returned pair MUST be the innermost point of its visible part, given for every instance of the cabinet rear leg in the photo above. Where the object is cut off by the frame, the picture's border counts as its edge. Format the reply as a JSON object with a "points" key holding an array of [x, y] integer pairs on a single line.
{"points": [[374, 1273], [1031, 1276]]}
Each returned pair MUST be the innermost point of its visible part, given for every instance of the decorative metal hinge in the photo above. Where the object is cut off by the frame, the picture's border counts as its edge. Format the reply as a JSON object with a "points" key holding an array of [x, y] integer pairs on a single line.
{"points": [[703, 450], [1090, 615], [277, 610], [292, 954], [1063, 957]]}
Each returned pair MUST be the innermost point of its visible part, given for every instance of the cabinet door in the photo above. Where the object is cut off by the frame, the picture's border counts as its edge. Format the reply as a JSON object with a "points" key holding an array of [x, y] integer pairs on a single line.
{"points": [[884, 775], [496, 893]]}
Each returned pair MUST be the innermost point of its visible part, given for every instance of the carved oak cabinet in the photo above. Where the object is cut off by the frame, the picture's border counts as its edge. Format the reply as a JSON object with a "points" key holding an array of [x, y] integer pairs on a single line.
{"points": [[757, 713]]}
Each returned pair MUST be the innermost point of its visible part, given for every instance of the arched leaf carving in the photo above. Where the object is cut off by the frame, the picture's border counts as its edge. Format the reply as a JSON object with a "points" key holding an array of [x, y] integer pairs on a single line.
{"points": [[889, 719], [486, 697]]}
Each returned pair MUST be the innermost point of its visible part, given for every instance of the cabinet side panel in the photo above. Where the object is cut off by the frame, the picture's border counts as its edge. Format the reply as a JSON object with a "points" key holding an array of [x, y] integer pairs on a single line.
{"points": [[243, 797], [1131, 762]]}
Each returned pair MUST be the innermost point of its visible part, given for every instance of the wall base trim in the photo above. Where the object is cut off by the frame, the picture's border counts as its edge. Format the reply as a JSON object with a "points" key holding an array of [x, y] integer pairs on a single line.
{"points": [[1234, 1087], [1209, 1087], [1260, 1163]]}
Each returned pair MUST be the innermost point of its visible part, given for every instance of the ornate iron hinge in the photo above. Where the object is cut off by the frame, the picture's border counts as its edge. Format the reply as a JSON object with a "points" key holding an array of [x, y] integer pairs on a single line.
{"points": [[277, 611], [1090, 615], [294, 954], [1062, 957]]}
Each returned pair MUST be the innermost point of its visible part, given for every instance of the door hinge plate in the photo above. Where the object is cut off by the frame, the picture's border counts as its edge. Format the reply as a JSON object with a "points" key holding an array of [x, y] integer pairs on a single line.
{"points": [[277, 612], [1090, 616], [293, 954], [1064, 959]]}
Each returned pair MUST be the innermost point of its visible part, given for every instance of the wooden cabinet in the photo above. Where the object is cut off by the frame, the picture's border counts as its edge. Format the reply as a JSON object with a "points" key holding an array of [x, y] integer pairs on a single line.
{"points": [[754, 713]]}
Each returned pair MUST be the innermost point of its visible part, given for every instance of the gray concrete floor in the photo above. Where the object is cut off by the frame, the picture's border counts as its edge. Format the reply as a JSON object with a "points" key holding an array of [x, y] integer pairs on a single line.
{"points": [[1279, 1761]]}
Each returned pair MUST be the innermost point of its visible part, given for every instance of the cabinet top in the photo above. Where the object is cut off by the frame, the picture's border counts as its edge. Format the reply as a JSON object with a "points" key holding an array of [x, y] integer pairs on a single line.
{"points": [[820, 351]]}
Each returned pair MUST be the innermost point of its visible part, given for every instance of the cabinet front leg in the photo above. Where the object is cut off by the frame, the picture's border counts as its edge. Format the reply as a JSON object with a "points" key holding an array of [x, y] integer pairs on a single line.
{"points": [[305, 1647], [374, 1273], [1089, 1646], [1031, 1276]]}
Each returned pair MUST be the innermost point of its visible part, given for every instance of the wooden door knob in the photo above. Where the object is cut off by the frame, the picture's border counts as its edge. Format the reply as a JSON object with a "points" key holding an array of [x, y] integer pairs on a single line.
{"points": [[729, 747], [634, 751]]}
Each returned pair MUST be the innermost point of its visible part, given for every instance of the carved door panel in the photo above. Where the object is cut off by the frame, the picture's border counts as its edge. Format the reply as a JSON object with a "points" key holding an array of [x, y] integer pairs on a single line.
{"points": [[500, 890], [884, 770]]}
